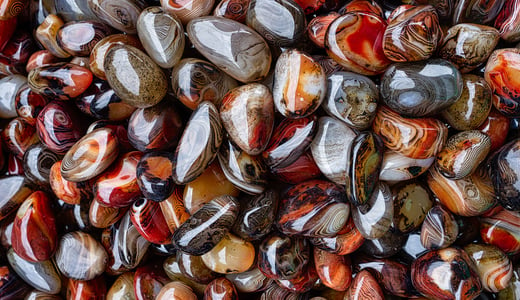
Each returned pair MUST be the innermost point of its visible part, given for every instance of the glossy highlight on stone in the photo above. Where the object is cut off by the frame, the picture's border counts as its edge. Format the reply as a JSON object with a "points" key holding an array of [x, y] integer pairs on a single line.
{"points": [[412, 201], [61, 81], [505, 173], [68, 191], [148, 219], [79, 37], [494, 266], [335, 271], [154, 175], [374, 219], [121, 15], [187, 10], [42, 275], [284, 257], [231, 255], [364, 286], [502, 75], [439, 229], [396, 167], [502, 230], [257, 218], [16, 189]]}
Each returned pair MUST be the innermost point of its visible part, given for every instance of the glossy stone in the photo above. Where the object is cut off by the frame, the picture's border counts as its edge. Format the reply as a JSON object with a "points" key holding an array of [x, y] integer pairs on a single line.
{"points": [[256, 219], [100, 102], [154, 175], [355, 41], [34, 236], [233, 47], [199, 143], [124, 245], [246, 172], [42, 276], [439, 229], [176, 290], [502, 230], [468, 45], [385, 246], [348, 240], [12, 285], [374, 218], [195, 80], [11, 8], [412, 201], [250, 281], [148, 219], [362, 5], [494, 266], [187, 10], [14, 165], [122, 288], [79, 37], [290, 139], [16, 52], [335, 271], [252, 104], [37, 163], [98, 53], [231, 255], [508, 21], [68, 191], [467, 11], [60, 81], [412, 34], [505, 173], [210, 184], [281, 22], [418, 138], [364, 286], [117, 186], [280, 256], [28, 104], [162, 36], [94, 289], [121, 15], [302, 283], [59, 126], [8, 27], [207, 226], [101, 216], [366, 155], [41, 58], [502, 76], [194, 268], [10, 86], [446, 274], [299, 84], [18, 135], [90, 156], [496, 126], [331, 149], [397, 167], [302, 169], [38, 295], [135, 78], [148, 281], [47, 33], [317, 28], [232, 9], [90, 259], [277, 292], [315, 208], [470, 196], [421, 88], [16, 189]]}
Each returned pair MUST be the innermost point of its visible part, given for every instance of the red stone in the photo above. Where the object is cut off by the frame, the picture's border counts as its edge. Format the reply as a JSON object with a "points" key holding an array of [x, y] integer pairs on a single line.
{"points": [[148, 219], [148, 281], [335, 271], [94, 289]]}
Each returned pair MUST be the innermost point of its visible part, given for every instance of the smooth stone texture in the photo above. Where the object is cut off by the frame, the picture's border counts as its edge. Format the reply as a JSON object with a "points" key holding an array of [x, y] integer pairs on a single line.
{"points": [[10, 86], [314, 208], [176, 290], [502, 73], [247, 172], [92, 289], [12, 285], [302, 169], [281, 22], [348, 240], [232, 9], [187, 10], [98, 53], [18, 135], [121, 15], [79, 37], [364, 286], [28, 104], [417, 138], [470, 196], [412, 201], [412, 34], [473, 106], [250, 281], [505, 173], [302, 283], [299, 84], [508, 21], [290, 139], [148, 219], [101, 216], [257, 218], [74, 10], [149, 280], [199, 143], [494, 267], [233, 47], [162, 36], [154, 175], [421, 89], [220, 289], [60, 81], [446, 274], [34, 237], [68, 191], [174, 210], [133, 75], [366, 155], [463, 153], [194, 268], [207, 226], [335, 271], [195, 80], [468, 45], [90, 156], [396, 167], [439, 229], [317, 28], [355, 41], [37, 163], [374, 219], [46, 34], [386, 246], [331, 148], [502, 229], [280, 256], [16, 188], [90, 257], [352, 98], [43, 275], [122, 288], [470, 11], [247, 114], [231, 255]]}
